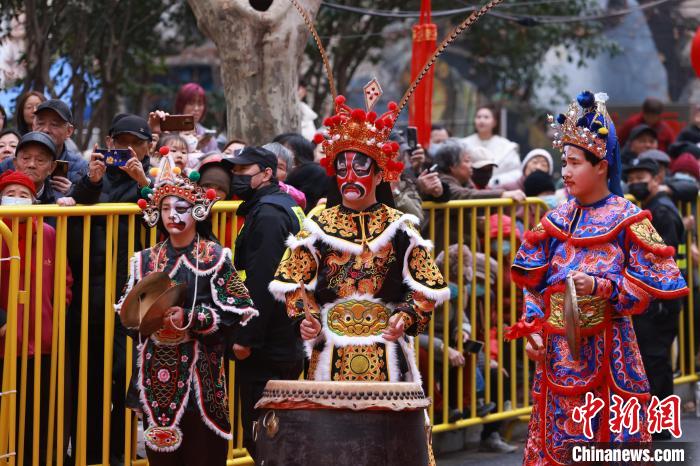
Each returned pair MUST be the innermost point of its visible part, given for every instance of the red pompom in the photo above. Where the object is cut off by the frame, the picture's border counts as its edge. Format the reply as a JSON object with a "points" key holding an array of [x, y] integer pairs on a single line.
{"points": [[394, 146], [392, 106], [387, 149], [379, 124], [211, 194], [165, 150], [371, 116], [359, 114], [336, 119], [340, 100], [388, 121], [142, 204], [318, 138], [328, 121]]}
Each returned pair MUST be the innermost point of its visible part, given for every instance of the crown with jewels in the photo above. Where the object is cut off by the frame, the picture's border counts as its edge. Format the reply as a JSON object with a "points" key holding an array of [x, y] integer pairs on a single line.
{"points": [[585, 125], [170, 182], [362, 131]]}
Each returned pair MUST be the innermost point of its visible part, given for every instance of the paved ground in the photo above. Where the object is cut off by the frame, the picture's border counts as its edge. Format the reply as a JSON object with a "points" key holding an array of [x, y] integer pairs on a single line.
{"points": [[691, 433]]}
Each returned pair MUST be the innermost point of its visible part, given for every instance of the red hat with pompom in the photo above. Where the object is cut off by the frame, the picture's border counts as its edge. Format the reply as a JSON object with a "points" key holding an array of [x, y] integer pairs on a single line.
{"points": [[362, 131]]}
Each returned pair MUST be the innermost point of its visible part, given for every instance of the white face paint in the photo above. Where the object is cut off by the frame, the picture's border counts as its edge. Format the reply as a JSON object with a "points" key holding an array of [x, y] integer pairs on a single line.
{"points": [[177, 216]]}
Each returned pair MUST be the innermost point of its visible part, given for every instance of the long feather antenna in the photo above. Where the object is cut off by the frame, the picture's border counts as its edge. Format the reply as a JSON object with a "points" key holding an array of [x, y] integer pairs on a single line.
{"points": [[317, 39]]}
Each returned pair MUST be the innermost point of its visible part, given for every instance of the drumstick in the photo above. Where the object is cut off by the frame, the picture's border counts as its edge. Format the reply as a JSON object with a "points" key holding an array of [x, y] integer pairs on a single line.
{"points": [[305, 300], [532, 342]]}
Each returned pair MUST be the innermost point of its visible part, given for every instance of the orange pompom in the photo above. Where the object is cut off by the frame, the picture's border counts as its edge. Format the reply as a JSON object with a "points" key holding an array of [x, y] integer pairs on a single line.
{"points": [[318, 138], [165, 150], [211, 194], [142, 204], [153, 171], [177, 170]]}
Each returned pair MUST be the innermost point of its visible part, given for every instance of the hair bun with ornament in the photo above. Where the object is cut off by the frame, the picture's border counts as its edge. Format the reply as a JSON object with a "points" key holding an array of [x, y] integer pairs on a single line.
{"points": [[171, 182]]}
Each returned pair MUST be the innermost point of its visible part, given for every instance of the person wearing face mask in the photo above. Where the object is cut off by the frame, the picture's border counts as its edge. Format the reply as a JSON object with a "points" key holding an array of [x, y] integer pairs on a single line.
{"points": [[268, 347], [657, 328], [18, 189]]}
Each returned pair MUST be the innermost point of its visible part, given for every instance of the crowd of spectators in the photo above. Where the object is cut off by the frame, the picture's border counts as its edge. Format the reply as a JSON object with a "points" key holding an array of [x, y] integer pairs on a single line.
{"points": [[39, 164]]}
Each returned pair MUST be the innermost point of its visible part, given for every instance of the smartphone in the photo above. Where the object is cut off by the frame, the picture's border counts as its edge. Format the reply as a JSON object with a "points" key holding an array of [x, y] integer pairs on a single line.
{"points": [[61, 169], [115, 157], [205, 138], [433, 169], [412, 137], [473, 346], [177, 123]]}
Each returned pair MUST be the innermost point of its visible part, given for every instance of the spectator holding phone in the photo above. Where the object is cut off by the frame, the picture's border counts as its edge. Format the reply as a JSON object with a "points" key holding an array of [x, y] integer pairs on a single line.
{"points": [[122, 183], [192, 100]]}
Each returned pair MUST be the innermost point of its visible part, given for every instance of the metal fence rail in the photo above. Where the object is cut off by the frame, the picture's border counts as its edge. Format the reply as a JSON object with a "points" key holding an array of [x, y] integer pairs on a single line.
{"points": [[457, 222]]}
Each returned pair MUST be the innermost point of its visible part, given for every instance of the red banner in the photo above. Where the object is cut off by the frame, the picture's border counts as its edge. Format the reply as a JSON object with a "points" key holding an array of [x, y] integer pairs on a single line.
{"points": [[424, 44]]}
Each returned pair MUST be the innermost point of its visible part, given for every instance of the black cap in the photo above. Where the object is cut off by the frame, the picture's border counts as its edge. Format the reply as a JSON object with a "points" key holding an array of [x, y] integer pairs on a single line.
{"points": [[254, 155], [642, 164], [642, 129], [679, 147], [58, 106], [538, 182], [131, 124], [37, 137]]}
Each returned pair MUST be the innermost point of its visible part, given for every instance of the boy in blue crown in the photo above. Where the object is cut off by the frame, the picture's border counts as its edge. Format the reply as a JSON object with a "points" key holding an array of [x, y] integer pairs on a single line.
{"points": [[618, 264]]}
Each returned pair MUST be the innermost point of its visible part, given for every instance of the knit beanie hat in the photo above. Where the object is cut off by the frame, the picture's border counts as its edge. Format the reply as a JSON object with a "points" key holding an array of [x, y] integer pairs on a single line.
{"points": [[538, 182], [686, 163], [539, 153], [13, 177]]}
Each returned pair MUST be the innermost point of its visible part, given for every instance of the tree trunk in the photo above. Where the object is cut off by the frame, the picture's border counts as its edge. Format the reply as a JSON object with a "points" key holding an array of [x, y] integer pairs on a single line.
{"points": [[260, 52]]}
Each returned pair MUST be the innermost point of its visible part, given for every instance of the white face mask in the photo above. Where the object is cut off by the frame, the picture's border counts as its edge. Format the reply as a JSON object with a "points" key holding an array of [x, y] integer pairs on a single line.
{"points": [[11, 200]]}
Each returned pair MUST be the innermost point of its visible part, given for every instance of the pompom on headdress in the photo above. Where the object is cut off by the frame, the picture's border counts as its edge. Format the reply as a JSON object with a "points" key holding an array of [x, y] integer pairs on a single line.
{"points": [[362, 131], [171, 182], [588, 126]]}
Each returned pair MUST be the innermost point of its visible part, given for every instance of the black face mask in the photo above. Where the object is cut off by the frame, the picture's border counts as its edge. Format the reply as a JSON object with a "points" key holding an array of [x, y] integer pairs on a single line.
{"points": [[240, 186], [639, 190], [481, 177]]}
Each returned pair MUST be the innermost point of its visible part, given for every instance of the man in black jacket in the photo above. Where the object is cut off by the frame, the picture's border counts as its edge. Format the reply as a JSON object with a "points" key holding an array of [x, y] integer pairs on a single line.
{"points": [[119, 185], [268, 347], [657, 327]]}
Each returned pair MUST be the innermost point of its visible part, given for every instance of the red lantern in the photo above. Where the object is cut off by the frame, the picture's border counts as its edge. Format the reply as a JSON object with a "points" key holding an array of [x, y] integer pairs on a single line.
{"points": [[424, 44], [695, 52]]}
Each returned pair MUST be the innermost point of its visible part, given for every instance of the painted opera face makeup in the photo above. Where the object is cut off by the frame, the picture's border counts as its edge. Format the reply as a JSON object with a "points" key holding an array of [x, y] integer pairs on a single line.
{"points": [[177, 216], [354, 175]]}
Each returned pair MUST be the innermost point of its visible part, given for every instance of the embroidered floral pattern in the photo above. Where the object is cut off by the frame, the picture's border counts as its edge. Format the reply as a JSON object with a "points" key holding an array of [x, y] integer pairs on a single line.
{"points": [[299, 265], [423, 269]]}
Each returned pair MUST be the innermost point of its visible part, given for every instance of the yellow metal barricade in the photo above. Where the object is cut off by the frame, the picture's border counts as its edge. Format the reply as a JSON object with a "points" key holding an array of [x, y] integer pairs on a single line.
{"points": [[490, 301]]}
